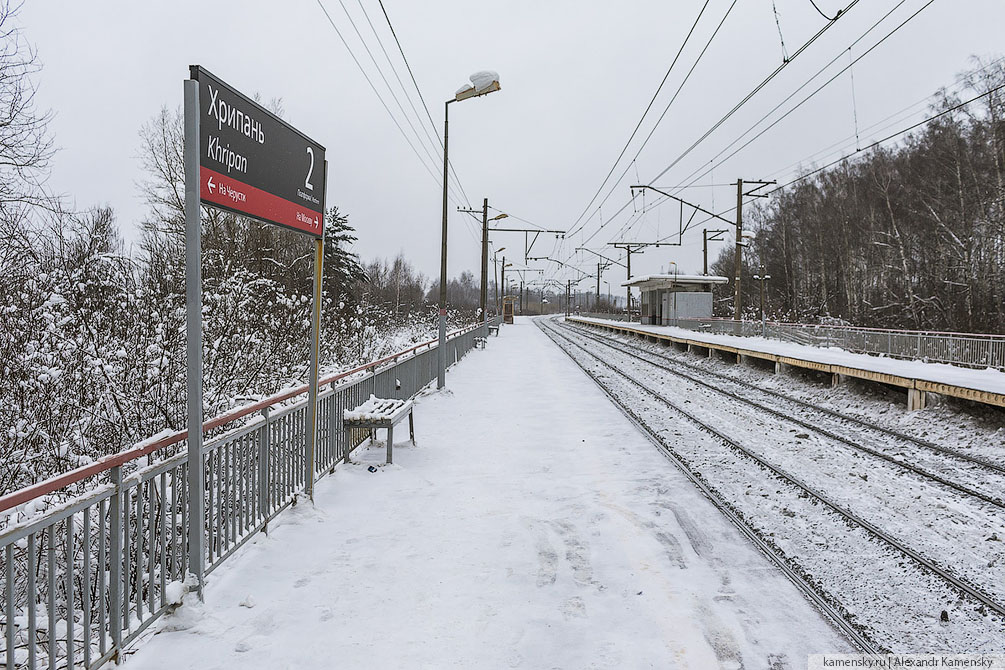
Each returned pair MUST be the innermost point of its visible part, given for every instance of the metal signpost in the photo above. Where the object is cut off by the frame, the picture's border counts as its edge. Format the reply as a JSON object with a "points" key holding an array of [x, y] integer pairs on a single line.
{"points": [[242, 158]]}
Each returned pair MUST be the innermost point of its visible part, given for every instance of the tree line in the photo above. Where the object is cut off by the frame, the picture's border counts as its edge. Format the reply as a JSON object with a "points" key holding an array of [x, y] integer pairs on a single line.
{"points": [[910, 236], [92, 334]]}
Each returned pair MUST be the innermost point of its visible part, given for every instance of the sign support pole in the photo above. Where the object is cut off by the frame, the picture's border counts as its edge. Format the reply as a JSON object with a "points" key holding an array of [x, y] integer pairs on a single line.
{"points": [[193, 334], [312, 403]]}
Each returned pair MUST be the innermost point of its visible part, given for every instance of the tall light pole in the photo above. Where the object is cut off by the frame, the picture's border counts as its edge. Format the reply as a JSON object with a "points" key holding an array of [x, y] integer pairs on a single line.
{"points": [[482, 83]]}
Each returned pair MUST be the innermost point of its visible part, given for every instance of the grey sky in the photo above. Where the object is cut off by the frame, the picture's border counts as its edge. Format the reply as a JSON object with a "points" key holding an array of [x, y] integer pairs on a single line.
{"points": [[575, 77]]}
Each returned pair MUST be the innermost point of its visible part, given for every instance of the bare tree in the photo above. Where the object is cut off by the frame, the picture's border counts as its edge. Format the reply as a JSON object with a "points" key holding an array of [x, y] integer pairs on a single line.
{"points": [[25, 145]]}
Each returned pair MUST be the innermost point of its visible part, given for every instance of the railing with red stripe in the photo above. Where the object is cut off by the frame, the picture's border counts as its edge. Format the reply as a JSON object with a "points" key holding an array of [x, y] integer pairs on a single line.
{"points": [[85, 574]]}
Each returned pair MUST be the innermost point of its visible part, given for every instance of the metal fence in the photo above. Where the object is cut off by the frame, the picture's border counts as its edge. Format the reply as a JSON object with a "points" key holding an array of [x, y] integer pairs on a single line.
{"points": [[967, 349], [84, 578]]}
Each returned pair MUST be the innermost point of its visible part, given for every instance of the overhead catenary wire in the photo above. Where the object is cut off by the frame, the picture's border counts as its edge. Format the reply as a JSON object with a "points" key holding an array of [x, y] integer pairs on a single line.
{"points": [[756, 89], [696, 175], [380, 71], [680, 87], [418, 90], [380, 98], [630, 222], [644, 113], [824, 15], [882, 125], [890, 137]]}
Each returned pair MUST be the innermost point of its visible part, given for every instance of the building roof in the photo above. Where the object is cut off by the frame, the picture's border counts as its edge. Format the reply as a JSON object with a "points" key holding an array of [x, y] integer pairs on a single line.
{"points": [[668, 281]]}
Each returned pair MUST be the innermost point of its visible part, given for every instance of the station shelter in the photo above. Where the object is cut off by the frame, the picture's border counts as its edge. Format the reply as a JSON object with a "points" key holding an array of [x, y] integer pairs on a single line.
{"points": [[667, 298]]}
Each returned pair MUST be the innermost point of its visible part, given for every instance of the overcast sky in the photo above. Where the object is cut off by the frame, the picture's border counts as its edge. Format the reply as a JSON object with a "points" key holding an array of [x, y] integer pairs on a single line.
{"points": [[576, 77]]}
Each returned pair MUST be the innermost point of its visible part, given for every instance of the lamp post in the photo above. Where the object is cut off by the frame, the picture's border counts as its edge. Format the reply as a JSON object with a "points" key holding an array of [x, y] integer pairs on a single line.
{"points": [[482, 83]]}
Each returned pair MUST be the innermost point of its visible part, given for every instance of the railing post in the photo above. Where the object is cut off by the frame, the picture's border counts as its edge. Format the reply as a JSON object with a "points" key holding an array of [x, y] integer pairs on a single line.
{"points": [[264, 451], [115, 551]]}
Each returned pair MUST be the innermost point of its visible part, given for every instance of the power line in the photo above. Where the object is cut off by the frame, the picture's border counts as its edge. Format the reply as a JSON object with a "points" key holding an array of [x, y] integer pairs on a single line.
{"points": [[811, 95], [377, 93], [879, 126], [890, 137], [756, 89], [741, 103], [824, 15], [694, 65], [418, 90], [390, 89], [646, 112]]}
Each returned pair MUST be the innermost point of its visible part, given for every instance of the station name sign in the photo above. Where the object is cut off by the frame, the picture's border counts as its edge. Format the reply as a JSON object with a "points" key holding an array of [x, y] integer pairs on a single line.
{"points": [[255, 164]]}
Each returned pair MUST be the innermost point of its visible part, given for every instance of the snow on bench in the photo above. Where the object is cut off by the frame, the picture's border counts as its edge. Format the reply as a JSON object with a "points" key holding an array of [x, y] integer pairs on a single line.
{"points": [[380, 413]]}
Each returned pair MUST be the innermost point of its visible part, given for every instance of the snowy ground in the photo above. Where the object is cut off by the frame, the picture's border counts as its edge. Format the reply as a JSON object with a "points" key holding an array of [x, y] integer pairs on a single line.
{"points": [[532, 526]]}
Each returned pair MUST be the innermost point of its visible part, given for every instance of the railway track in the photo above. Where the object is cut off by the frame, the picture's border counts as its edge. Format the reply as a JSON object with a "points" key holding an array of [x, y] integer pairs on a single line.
{"points": [[829, 605], [977, 468]]}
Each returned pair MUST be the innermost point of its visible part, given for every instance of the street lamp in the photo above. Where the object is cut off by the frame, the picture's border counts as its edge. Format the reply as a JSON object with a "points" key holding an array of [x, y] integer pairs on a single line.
{"points": [[482, 83]]}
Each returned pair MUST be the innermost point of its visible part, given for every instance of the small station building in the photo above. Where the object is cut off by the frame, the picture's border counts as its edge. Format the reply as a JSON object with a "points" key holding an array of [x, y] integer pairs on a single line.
{"points": [[666, 298]]}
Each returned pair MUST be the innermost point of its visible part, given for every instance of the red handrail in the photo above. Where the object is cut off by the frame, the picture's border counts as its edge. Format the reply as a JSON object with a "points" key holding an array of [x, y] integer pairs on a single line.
{"points": [[106, 463]]}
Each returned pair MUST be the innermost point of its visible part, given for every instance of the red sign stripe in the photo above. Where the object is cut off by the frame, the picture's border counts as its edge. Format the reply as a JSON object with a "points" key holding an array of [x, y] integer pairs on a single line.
{"points": [[219, 189]]}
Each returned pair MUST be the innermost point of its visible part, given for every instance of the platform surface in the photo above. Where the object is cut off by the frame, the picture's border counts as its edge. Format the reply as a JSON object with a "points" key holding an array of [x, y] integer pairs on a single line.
{"points": [[534, 527], [985, 380]]}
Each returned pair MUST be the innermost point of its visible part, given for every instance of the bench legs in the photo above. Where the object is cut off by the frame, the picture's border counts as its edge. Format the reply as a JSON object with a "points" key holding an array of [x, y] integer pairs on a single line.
{"points": [[411, 428], [390, 441]]}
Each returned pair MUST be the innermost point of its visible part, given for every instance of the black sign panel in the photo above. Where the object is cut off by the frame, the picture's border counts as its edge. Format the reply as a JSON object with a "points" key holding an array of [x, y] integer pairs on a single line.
{"points": [[254, 163]]}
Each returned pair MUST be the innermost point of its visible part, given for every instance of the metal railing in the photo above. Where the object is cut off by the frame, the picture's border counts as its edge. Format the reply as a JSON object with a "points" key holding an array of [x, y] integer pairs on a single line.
{"points": [[974, 350], [86, 576]]}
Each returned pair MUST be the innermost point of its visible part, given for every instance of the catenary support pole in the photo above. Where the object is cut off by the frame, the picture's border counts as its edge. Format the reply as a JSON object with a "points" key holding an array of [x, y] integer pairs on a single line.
{"points": [[312, 402], [737, 300], [628, 289], [704, 251], [483, 297], [193, 333]]}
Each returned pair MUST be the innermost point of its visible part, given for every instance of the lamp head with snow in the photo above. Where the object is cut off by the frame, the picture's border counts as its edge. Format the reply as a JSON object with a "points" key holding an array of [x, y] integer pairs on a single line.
{"points": [[482, 83]]}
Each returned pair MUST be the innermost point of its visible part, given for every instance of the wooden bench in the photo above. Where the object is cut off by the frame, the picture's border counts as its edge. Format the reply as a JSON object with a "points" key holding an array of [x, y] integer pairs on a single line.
{"points": [[379, 413], [495, 330]]}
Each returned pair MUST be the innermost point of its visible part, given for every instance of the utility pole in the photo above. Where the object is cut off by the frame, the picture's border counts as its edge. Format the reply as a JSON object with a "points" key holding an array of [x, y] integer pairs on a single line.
{"points": [[504, 277], [597, 301], [568, 291], [483, 297], [737, 300], [716, 237], [762, 278], [740, 241]]}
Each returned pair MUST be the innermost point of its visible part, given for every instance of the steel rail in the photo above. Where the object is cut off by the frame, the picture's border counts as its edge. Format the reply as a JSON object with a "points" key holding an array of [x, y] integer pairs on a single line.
{"points": [[961, 488], [959, 584], [818, 598], [928, 444]]}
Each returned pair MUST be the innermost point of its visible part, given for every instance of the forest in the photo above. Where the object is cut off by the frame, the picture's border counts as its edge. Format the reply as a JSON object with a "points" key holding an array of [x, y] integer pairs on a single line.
{"points": [[905, 236]]}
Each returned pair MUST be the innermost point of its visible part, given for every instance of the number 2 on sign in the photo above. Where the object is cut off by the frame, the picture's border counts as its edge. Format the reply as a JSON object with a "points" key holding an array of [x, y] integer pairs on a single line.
{"points": [[307, 179]]}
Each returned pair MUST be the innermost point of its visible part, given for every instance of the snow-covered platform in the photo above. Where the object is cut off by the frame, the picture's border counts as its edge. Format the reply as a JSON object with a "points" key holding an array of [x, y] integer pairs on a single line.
{"points": [[917, 377], [533, 526]]}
